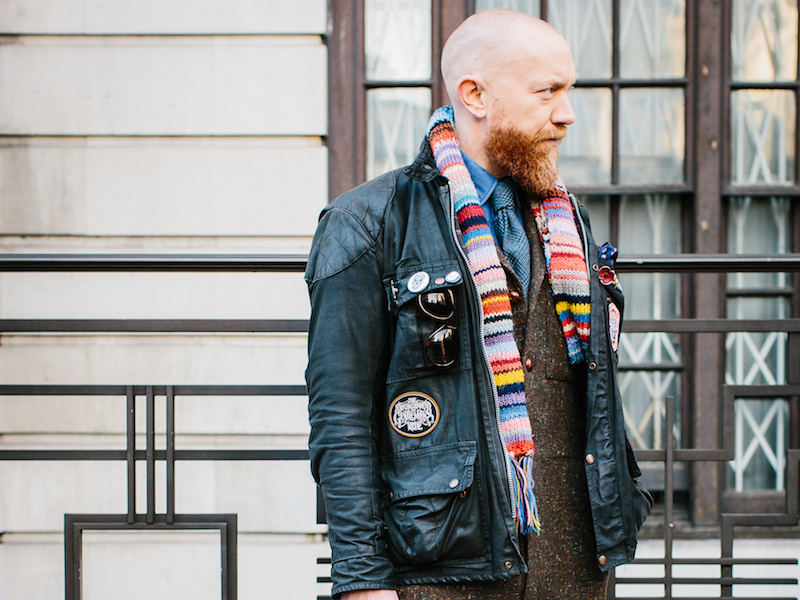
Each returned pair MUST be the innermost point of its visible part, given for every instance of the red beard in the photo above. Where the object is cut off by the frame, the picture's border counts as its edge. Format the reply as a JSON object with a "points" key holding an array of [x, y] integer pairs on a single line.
{"points": [[528, 159]]}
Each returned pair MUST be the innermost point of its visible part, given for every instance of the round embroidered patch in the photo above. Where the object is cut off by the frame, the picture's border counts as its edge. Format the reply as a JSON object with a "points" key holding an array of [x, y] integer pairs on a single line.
{"points": [[413, 414]]}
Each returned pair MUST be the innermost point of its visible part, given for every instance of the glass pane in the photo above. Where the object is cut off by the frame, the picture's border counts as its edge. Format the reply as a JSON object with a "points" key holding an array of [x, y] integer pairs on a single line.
{"points": [[396, 120], [397, 39], [652, 38], [759, 445], [599, 208], [530, 7], [762, 137], [585, 154], [644, 396], [650, 224], [651, 135], [764, 40], [587, 26], [759, 226]]}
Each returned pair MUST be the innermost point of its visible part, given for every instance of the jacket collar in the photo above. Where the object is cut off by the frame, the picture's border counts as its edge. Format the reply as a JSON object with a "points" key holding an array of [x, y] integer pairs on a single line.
{"points": [[423, 168]]}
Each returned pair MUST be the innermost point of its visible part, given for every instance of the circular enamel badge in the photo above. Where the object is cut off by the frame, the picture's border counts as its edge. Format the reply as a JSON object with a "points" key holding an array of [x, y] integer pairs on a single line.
{"points": [[453, 277], [418, 282], [413, 414]]}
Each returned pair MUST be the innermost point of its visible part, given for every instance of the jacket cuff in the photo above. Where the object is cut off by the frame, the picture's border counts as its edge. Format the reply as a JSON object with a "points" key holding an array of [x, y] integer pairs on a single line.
{"points": [[362, 573]]}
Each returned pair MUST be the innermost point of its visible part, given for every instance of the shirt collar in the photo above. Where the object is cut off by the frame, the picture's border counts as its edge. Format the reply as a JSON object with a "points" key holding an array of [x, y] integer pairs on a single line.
{"points": [[483, 180]]}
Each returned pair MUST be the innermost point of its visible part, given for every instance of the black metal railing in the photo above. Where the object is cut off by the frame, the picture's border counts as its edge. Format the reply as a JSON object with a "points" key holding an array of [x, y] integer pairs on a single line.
{"points": [[226, 523]]}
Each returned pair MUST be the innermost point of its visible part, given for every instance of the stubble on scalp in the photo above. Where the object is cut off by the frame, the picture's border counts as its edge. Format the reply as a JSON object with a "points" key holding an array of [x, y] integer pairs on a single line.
{"points": [[528, 159]]}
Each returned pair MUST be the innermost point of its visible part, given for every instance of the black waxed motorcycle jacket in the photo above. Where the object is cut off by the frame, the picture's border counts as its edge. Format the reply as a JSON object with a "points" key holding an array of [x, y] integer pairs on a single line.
{"points": [[408, 453]]}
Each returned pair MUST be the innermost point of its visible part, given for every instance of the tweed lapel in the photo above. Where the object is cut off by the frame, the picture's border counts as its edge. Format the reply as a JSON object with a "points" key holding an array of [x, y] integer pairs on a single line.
{"points": [[538, 265]]}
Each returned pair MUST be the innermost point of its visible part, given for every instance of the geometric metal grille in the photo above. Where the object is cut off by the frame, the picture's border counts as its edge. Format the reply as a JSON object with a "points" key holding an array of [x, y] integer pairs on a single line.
{"points": [[131, 454], [149, 520], [723, 575]]}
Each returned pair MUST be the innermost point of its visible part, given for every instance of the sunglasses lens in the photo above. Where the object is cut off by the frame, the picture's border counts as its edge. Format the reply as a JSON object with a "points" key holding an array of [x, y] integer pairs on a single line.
{"points": [[437, 305], [440, 348]]}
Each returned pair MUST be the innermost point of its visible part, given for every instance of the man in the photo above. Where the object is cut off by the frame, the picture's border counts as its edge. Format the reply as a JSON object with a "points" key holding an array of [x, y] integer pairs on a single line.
{"points": [[461, 317]]}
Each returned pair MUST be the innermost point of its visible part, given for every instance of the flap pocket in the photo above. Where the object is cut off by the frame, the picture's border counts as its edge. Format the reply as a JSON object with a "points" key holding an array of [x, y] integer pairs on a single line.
{"points": [[424, 299], [409, 282], [435, 470], [433, 510]]}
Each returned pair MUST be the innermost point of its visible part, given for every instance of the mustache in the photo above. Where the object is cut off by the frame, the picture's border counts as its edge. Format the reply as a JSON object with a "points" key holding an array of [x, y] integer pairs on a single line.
{"points": [[559, 132]]}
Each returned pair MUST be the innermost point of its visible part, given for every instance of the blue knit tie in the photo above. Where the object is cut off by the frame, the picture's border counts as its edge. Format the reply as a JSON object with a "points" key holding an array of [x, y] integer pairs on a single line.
{"points": [[511, 233]]}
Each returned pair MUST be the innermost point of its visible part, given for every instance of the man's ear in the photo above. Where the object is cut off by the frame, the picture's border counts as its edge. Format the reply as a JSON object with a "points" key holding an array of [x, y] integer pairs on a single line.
{"points": [[472, 95]]}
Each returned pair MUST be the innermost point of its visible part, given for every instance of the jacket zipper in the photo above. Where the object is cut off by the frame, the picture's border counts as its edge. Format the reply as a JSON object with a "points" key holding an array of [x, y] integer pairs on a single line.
{"points": [[486, 362]]}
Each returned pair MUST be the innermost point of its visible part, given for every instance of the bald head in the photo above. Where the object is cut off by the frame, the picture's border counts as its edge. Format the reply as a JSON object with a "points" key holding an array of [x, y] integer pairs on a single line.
{"points": [[489, 41]]}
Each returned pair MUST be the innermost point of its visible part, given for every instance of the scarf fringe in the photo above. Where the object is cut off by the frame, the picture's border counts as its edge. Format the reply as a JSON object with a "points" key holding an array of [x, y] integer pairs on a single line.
{"points": [[527, 510]]}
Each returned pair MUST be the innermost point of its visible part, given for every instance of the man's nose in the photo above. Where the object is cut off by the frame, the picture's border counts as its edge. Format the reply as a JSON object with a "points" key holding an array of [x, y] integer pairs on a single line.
{"points": [[563, 113]]}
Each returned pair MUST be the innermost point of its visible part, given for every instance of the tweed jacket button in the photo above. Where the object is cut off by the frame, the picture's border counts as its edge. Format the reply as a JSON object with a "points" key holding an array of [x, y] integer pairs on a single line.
{"points": [[590, 459], [529, 363], [601, 560]]}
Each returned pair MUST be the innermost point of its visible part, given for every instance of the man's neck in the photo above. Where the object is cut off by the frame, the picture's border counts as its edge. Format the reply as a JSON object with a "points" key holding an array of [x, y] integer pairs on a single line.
{"points": [[472, 145]]}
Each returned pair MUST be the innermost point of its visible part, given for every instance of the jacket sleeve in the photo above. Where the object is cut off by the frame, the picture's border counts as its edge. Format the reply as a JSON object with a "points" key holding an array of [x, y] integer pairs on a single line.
{"points": [[346, 378]]}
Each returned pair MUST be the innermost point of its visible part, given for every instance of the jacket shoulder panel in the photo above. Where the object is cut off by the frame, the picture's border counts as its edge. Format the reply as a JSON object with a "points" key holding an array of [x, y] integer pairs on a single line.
{"points": [[349, 227]]}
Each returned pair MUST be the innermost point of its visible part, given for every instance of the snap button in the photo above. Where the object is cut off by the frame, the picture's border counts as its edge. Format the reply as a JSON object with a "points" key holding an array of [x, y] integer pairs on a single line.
{"points": [[590, 459], [592, 366], [514, 296], [508, 564], [601, 560], [595, 267], [529, 363], [453, 483]]}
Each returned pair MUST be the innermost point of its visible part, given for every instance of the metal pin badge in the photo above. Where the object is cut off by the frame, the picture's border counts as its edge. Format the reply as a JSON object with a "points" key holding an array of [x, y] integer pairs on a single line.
{"points": [[418, 282], [453, 277]]}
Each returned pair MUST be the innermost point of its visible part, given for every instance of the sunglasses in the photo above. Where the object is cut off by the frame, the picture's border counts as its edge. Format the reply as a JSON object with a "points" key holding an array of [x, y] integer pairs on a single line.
{"points": [[441, 346]]}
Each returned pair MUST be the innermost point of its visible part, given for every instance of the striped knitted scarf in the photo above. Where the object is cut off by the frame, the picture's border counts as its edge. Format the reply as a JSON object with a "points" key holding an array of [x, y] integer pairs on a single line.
{"points": [[566, 269], [498, 328]]}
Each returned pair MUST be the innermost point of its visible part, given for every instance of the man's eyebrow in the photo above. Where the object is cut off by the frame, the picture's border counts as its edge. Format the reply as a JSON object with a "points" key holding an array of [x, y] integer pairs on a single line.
{"points": [[555, 83]]}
